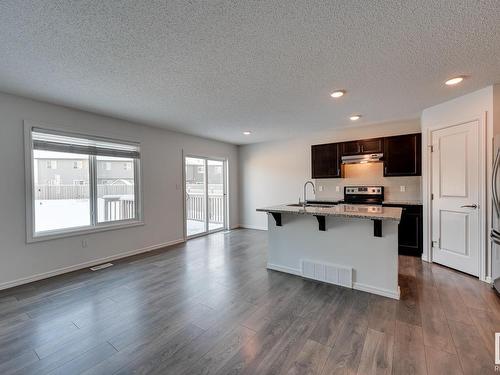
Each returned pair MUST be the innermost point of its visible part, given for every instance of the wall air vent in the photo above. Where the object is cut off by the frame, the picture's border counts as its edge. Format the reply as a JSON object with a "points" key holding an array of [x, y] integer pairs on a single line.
{"points": [[328, 273], [101, 266]]}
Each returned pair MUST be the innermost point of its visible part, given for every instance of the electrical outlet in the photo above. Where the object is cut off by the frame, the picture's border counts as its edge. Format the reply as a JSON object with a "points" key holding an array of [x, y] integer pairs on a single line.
{"points": [[84, 244], [320, 187], [337, 189], [402, 188]]}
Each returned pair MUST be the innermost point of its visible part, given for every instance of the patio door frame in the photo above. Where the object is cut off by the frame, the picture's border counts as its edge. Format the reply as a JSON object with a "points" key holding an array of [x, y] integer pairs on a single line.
{"points": [[224, 193]]}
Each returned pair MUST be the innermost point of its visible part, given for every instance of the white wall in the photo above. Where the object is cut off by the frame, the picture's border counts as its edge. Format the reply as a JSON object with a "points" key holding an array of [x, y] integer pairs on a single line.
{"points": [[162, 187], [474, 106], [274, 172]]}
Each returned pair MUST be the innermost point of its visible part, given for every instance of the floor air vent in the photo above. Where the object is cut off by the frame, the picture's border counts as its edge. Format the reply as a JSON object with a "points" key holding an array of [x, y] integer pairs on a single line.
{"points": [[328, 273], [101, 266]]}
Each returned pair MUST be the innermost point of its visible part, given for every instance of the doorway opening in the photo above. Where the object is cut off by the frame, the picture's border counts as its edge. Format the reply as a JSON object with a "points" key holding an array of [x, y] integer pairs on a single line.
{"points": [[205, 187]]}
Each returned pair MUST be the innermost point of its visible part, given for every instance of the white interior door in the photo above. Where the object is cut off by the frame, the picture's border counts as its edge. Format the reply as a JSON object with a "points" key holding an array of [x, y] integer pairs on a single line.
{"points": [[455, 203]]}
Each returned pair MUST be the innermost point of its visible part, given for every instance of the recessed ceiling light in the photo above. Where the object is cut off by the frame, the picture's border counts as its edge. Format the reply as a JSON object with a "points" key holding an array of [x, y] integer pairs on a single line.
{"points": [[355, 117], [247, 132], [454, 81], [337, 94]]}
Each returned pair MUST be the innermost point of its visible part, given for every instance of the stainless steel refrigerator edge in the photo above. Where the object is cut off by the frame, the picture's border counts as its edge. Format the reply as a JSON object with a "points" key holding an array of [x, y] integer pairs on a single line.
{"points": [[495, 224]]}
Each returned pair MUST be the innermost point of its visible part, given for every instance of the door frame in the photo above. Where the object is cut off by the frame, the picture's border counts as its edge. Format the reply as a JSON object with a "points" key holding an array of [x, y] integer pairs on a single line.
{"points": [[484, 207], [225, 194]]}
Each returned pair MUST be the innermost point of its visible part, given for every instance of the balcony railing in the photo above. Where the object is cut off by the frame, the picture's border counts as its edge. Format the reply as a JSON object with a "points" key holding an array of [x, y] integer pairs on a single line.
{"points": [[119, 201], [119, 207], [49, 192], [195, 207]]}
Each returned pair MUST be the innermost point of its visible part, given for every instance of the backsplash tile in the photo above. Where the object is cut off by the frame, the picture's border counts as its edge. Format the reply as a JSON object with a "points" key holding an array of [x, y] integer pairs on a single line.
{"points": [[370, 174]]}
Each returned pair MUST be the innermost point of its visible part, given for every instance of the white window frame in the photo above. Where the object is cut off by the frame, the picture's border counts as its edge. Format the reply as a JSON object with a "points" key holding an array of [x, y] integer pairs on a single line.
{"points": [[95, 226]]}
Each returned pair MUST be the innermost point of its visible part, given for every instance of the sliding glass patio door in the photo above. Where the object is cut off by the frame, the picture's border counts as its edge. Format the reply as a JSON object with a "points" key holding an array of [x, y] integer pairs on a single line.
{"points": [[205, 188]]}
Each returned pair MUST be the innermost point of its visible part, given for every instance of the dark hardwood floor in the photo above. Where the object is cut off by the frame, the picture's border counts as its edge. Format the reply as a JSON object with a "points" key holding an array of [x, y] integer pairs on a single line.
{"points": [[210, 307]]}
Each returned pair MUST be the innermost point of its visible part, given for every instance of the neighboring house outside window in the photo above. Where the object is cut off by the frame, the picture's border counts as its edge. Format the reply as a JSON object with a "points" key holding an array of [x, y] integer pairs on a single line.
{"points": [[91, 188]]}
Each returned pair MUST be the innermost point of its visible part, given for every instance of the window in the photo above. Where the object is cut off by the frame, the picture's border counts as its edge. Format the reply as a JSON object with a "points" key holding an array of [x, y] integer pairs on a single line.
{"points": [[86, 194], [51, 164], [116, 197]]}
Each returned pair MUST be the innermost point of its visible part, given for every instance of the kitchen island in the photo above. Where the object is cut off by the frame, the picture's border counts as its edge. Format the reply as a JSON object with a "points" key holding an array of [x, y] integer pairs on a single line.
{"points": [[350, 245]]}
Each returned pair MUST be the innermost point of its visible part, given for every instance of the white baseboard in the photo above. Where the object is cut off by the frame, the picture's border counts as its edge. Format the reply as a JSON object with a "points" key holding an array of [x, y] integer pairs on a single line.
{"points": [[488, 280], [355, 285], [293, 271], [425, 258], [249, 226], [91, 263], [379, 291]]}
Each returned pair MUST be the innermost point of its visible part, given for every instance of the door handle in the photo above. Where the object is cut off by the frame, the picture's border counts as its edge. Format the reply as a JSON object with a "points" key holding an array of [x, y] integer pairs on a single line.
{"points": [[469, 206]]}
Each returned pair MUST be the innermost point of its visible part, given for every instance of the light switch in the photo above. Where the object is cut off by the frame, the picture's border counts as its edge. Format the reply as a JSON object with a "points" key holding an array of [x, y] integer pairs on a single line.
{"points": [[402, 188], [320, 187], [337, 188]]}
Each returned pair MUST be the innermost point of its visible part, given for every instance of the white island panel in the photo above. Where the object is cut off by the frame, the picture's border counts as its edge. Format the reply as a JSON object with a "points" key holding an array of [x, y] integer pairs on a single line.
{"points": [[347, 242]]}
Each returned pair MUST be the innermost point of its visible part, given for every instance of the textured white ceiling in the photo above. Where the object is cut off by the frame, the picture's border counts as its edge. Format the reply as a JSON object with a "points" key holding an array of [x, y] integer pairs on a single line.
{"points": [[215, 68]]}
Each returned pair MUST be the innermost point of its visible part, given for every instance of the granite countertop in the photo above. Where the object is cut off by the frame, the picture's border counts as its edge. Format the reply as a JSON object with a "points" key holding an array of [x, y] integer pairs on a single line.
{"points": [[405, 203], [345, 210]]}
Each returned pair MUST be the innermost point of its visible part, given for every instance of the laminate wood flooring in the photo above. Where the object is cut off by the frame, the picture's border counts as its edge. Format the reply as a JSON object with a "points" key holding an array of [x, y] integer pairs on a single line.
{"points": [[209, 306]]}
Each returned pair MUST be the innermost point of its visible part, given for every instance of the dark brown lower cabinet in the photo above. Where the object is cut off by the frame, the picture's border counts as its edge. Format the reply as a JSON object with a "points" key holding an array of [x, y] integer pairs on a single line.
{"points": [[410, 230]]}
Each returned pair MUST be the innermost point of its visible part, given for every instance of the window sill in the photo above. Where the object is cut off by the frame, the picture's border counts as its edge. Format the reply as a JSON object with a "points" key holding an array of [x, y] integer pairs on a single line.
{"points": [[83, 231]]}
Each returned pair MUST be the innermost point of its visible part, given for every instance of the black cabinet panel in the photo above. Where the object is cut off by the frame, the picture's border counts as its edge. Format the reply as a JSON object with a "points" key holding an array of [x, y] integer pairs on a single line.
{"points": [[403, 155], [372, 146], [410, 233], [325, 160], [351, 148], [365, 146]]}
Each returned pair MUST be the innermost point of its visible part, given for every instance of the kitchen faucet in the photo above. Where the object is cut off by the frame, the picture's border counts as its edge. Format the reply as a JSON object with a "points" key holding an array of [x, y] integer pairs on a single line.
{"points": [[305, 191]]}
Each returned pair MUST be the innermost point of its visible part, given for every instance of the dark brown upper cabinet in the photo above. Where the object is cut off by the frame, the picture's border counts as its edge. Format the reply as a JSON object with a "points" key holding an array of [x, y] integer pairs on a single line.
{"points": [[365, 146], [403, 155], [326, 161]]}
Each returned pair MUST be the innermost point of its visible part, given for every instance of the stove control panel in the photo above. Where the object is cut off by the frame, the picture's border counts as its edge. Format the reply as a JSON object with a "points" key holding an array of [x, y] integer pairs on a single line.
{"points": [[365, 190]]}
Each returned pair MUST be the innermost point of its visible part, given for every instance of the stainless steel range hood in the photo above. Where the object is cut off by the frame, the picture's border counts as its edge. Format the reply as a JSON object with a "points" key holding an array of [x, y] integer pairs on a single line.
{"points": [[362, 159]]}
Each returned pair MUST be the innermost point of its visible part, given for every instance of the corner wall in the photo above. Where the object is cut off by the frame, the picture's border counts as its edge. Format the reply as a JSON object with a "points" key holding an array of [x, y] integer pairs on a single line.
{"points": [[162, 190]]}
